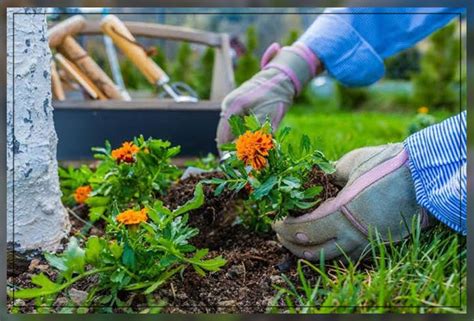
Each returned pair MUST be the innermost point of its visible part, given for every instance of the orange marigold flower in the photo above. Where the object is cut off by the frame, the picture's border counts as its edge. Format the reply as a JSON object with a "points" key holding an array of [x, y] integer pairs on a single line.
{"points": [[252, 148], [82, 194], [131, 217], [125, 153], [423, 110]]}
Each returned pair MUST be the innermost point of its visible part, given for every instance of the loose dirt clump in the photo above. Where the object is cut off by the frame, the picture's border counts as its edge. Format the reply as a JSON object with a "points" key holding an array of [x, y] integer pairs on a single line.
{"points": [[245, 284], [216, 212]]}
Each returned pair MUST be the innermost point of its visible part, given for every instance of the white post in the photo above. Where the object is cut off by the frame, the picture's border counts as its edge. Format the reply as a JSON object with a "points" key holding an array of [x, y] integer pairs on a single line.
{"points": [[35, 216]]}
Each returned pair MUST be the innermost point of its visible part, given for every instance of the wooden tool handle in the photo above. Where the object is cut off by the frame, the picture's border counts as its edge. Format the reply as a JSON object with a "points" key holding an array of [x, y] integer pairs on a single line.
{"points": [[65, 28], [57, 86], [121, 36], [74, 52], [80, 77]]}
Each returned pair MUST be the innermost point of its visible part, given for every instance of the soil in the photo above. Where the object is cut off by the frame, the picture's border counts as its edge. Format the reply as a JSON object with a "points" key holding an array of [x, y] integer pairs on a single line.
{"points": [[246, 284], [216, 212]]}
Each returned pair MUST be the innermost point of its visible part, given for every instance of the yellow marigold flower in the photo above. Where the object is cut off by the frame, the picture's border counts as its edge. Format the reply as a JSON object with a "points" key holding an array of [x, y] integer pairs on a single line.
{"points": [[82, 194], [252, 148], [125, 153], [131, 217], [423, 110]]}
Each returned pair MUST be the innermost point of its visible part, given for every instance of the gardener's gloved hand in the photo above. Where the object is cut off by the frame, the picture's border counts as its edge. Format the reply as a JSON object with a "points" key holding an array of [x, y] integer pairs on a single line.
{"points": [[378, 193], [285, 71]]}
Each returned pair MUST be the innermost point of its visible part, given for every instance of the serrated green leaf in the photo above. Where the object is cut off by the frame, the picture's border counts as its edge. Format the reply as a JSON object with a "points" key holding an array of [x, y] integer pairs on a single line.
{"points": [[94, 247], [192, 204], [265, 188], [128, 257], [291, 182], [326, 167], [74, 258], [227, 147], [237, 125], [305, 144], [96, 201], [312, 191], [251, 122], [96, 212], [305, 205], [55, 261], [46, 287], [219, 189]]}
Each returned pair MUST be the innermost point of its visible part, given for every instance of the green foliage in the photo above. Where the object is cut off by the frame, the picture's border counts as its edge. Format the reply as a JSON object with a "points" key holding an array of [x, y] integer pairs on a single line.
{"points": [[403, 65], [70, 179], [291, 38], [209, 162], [351, 98], [160, 59], [248, 65], [277, 188], [425, 273], [183, 66], [129, 258], [204, 74], [436, 86], [119, 185], [421, 121]]}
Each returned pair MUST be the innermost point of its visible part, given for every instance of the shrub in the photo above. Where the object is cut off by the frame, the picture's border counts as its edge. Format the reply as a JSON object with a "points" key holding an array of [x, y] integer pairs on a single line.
{"points": [[436, 84], [403, 65], [421, 120], [183, 66], [248, 64], [131, 175], [291, 37], [203, 79], [351, 98]]}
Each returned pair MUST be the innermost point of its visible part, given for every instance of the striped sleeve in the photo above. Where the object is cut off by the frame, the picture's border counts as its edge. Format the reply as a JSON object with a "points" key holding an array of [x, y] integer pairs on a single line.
{"points": [[437, 160]]}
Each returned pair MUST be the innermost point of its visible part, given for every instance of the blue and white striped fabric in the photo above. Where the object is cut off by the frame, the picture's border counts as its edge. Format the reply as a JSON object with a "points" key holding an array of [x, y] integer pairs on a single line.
{"points": [[438, 166], [351, 43]]}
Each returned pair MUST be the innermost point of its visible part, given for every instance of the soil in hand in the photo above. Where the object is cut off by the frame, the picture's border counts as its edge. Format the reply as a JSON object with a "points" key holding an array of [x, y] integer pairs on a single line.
{"points": [[317, 177]]}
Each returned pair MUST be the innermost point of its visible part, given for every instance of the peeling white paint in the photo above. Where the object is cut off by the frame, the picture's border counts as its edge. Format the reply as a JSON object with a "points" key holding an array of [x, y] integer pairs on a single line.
{"points": [[37, 219]]}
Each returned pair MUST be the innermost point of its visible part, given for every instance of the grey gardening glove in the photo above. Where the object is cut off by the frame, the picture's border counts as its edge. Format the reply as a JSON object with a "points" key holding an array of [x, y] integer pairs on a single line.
{"points": [[378, 193], [285, 71]]}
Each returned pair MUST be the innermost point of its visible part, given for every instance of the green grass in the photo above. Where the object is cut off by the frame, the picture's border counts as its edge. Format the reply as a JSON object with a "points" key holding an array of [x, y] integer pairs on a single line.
{"points": [[425, 273], [336, 133]]}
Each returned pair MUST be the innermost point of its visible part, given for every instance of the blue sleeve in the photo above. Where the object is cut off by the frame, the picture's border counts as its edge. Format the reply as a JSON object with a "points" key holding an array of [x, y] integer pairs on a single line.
{"points": [[438, 162], [352, 42]]}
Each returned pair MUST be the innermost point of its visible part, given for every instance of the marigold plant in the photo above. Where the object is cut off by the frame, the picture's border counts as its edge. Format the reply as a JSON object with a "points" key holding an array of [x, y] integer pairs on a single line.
{"points": [[135, 173], [131, 217], [125, 153], [423, 110], [272, 172], [253, 147], [82, 194]]}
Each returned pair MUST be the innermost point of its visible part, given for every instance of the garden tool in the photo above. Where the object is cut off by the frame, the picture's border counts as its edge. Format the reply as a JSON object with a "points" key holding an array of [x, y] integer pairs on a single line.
{"points": [[122, 37], [56, 85], [70, 48], [80, 77], [114, 63]]}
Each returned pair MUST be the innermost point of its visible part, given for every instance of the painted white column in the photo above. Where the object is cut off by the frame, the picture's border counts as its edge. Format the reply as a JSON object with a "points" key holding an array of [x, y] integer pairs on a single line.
{"points": [[35, 216]]}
